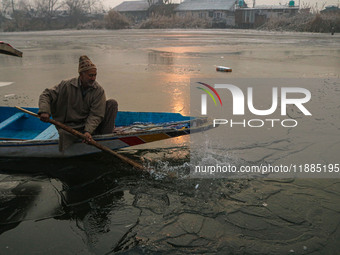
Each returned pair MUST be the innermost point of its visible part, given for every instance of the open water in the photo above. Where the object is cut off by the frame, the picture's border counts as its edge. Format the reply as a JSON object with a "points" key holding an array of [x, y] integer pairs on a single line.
{"points": [[99, 205]]}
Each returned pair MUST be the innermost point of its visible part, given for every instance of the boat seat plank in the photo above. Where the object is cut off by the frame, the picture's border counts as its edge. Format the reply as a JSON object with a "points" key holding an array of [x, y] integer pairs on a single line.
{"points": [[49, 133], [11, 119]]}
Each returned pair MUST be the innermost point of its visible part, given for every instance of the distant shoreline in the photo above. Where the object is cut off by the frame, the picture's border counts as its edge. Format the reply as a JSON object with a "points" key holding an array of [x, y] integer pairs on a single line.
{"points": [[303, 22]]}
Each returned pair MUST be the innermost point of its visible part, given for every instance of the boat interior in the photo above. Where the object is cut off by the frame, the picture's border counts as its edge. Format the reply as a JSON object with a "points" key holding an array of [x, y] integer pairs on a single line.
{"points": [[16, 125]]}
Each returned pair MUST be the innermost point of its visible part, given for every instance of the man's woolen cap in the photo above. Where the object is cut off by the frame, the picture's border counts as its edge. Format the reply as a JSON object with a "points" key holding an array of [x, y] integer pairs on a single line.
{"points": [[85, 64]]}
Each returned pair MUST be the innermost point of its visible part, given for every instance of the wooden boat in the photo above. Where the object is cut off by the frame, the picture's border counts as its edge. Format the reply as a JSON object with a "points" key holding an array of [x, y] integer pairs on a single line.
{"points": [[22, 135], [8, 49]]}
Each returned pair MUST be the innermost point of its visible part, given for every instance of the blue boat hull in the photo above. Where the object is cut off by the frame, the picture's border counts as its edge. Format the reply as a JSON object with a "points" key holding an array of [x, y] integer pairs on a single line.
{"points": [[22, 135]]}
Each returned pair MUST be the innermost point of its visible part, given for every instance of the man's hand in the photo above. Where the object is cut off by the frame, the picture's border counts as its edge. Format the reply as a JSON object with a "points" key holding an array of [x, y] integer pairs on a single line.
{"points": [[44, 117], [88, 137]]}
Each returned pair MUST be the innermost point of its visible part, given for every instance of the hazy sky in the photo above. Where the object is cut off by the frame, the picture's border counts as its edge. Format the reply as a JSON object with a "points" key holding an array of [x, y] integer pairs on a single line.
{"points": [[312, 3]]}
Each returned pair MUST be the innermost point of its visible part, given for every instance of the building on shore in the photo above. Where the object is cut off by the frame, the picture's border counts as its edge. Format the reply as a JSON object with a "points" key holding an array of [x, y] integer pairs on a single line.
{"points": [[257, 16], [137, 11], [134, 10], [220, 13]]}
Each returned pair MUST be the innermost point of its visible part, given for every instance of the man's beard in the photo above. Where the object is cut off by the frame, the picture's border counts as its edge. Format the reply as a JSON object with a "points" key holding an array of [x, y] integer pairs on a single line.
{"points": [[89, 83]]}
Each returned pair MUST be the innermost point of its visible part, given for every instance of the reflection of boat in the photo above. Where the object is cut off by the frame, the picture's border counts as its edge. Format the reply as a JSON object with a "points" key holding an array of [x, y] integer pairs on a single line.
{"points": [[17, 196], [22, 135], [65, 204], [6, 48]]}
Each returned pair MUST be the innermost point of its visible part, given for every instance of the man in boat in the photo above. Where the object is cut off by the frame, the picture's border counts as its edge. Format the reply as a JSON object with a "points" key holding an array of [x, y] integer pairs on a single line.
{"points": [[79, 103]]}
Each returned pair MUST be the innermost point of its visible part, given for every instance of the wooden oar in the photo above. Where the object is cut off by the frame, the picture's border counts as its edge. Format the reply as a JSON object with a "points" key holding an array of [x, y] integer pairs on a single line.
{"points": [[91, 142]]}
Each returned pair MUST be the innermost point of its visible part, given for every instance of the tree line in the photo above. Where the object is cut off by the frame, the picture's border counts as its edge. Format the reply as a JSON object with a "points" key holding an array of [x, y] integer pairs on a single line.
{"points": [[19, 15]]}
